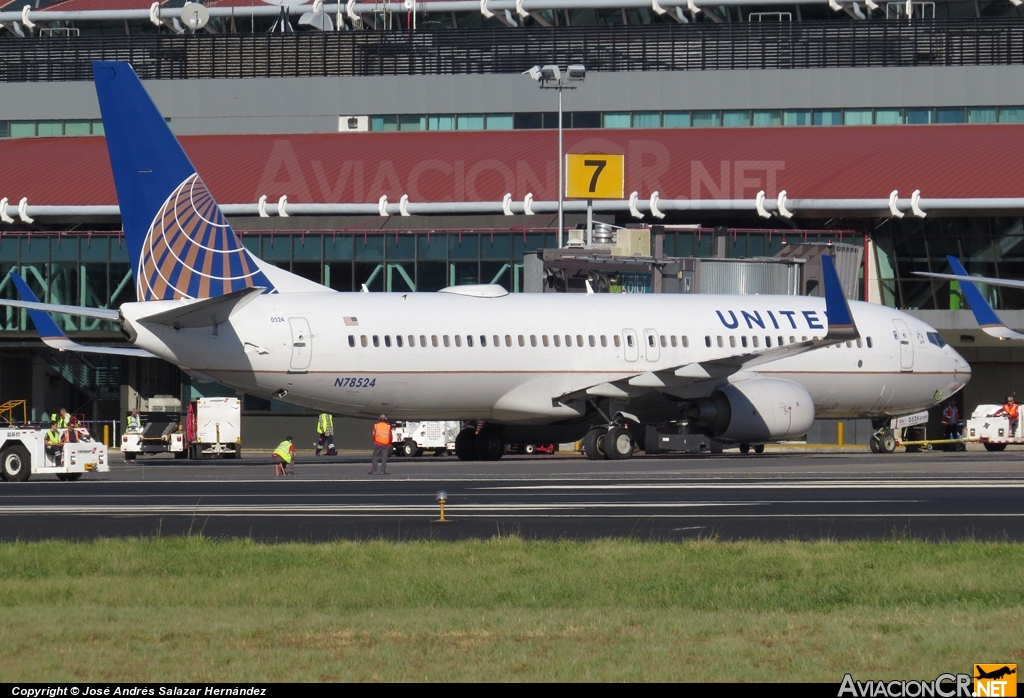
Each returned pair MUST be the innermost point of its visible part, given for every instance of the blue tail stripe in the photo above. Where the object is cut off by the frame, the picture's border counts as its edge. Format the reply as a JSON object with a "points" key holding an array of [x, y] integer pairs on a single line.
{"points": [[983, 312], [45, 325]]}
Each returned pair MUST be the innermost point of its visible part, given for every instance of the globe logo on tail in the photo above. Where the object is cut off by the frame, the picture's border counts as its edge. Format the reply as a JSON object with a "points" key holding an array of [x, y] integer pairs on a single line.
{"points": [[190, 250]]}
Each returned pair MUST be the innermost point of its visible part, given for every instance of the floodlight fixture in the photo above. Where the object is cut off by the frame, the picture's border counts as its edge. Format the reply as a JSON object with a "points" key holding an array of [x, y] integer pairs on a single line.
{"points": [[533, 72], [551, 72], [576, 73]]}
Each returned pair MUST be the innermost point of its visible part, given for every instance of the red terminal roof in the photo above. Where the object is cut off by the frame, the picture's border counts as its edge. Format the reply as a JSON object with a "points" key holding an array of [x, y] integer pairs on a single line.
{"points": [[952, 161]]}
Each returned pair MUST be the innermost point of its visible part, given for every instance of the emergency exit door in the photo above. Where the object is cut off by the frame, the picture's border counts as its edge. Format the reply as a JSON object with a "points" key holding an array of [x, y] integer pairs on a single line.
{"points": [[902, 333], [302, 346]]}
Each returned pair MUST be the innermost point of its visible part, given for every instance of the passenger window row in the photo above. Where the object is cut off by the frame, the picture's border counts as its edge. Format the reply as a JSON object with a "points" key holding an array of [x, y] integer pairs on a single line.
{"points": [[779, 341], [578, 340], [479, 340]]}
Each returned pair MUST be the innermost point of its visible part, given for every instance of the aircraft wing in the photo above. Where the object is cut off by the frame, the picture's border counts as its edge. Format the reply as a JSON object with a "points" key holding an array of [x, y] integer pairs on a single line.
{"points": [[52, 335], [841, 328], [987, 319]]}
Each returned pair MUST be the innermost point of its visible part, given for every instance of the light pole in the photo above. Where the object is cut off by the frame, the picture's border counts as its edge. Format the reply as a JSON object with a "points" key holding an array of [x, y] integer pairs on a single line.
{"points": [[551, 77]]}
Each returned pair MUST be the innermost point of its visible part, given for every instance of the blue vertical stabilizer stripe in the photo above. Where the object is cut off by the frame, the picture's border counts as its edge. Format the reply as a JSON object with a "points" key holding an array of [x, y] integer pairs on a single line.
{"points": [[983, 312], [147, 162], [836, 307], [45, 325]]}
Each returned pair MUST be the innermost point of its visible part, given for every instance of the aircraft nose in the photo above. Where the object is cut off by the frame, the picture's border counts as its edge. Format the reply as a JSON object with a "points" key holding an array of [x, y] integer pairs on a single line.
{"points": [[960, 368]]}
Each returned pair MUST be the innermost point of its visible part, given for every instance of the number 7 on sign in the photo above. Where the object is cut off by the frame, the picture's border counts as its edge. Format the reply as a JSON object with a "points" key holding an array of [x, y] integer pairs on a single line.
{"points": [[594, 176]]}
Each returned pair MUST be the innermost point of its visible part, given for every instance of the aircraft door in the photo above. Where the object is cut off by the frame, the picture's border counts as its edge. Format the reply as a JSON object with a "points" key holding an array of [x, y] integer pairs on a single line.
{"points": [[651, 346], [630, 345], [302, 343], [902, 334]]}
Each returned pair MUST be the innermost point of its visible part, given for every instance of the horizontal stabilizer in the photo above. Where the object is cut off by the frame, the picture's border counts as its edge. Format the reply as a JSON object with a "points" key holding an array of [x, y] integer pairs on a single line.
{"points": [[208, 312], [78, 310], [55, 338]]}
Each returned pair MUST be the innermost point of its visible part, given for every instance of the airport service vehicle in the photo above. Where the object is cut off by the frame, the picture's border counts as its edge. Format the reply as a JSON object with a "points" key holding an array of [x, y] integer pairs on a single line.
{"points": [[993, 432], [161, 432], [23, 454], [413, 438], [532, 368], [214, 427]]}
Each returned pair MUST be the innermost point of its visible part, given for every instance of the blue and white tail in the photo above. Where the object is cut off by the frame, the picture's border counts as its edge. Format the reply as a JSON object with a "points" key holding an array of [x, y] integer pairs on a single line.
{"points": [[181, 245]]}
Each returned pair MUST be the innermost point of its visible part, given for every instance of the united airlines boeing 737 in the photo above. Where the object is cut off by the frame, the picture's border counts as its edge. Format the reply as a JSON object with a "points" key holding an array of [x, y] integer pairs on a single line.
{"points": [[519, 367]]}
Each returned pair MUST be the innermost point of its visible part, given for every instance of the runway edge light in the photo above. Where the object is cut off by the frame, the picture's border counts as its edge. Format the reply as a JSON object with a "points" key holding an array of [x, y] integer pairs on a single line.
{"points": [[442, 497]]}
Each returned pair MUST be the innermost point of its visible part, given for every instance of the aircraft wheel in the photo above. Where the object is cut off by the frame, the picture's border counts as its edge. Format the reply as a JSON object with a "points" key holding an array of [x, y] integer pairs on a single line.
{"points": [[489, 445], [464, 448], [759, 449], [995, 447], [593, 443], [744, 449], [407, 449], [618, 444], [16, 464], [68, 477], [874, 443], [887, 443]]}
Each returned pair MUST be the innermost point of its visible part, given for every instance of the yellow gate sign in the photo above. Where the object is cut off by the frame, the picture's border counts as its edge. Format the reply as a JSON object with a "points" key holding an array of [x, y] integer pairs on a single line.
{"points": [[594, 176]]}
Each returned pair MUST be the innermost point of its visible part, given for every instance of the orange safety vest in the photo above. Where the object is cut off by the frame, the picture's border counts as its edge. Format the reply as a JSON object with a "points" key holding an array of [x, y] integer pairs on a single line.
{"points": [[1011, 410], [382, 434]]}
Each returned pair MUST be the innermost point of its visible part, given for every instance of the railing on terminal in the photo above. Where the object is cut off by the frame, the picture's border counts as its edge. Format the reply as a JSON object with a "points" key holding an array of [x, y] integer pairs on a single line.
{"points": [[659, 47]]}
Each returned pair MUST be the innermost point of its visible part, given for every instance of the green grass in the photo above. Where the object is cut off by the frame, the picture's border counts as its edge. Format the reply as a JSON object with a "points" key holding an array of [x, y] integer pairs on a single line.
{"points": [[193, 609]]}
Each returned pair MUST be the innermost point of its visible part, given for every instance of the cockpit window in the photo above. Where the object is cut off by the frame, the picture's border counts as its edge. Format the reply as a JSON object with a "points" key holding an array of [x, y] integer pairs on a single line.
{"points": [[936, 339]]}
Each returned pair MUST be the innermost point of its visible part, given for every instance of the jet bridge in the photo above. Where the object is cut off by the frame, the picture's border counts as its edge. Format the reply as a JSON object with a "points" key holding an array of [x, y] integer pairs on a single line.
{"points": [[631, 260]]}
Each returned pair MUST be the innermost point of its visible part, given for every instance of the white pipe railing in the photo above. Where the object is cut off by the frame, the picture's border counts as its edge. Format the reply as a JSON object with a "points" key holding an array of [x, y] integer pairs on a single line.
{"points": [[352, 9], [639, 207]]}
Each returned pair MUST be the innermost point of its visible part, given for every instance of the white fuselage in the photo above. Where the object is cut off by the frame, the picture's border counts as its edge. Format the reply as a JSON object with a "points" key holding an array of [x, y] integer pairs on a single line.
{"points": [[505, 359]]}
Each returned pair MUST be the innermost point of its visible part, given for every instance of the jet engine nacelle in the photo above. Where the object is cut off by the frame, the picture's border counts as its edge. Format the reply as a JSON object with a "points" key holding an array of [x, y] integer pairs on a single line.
{"points": [[754, 411]]}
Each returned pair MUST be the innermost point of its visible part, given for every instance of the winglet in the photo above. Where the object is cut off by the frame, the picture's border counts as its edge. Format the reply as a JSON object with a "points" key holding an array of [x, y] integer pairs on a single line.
{"points": [[45, 325], [837, 309], [987, 319]]}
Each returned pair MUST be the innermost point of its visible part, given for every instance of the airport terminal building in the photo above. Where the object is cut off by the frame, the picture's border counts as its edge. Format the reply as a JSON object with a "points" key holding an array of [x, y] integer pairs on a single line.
{"points": [[399, 146]]}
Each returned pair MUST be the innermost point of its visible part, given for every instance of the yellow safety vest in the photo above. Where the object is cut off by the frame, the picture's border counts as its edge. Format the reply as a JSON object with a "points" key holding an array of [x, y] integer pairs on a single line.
{"points": [[285, 451], [62, 422], [325, 424], [52, 437]]}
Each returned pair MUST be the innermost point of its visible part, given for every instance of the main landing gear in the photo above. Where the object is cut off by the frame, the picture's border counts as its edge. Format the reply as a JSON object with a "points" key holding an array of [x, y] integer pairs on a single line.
{"points": [[616, 441], [480, 443]]}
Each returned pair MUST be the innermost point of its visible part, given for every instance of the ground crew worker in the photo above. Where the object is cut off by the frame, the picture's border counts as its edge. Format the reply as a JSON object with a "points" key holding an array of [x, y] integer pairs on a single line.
{"points": [[325, 434], [1010, 409], [951, 425], [284, 458], [61, 418], [134, 421], [71, 435], [381, 445], [53, 443]]}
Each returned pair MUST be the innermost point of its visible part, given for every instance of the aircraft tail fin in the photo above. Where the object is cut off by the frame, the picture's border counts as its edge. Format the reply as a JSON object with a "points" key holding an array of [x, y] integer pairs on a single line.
{"points": [[180, 243], [987, 319]]}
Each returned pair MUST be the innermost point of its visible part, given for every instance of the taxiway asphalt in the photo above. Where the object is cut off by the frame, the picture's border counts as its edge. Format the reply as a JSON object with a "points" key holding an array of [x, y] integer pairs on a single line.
{"points": [[778, 495]]}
